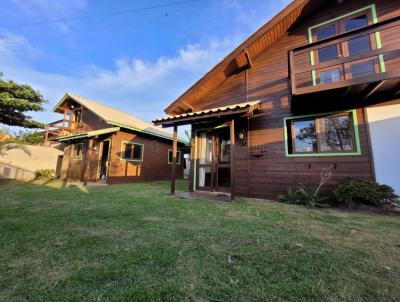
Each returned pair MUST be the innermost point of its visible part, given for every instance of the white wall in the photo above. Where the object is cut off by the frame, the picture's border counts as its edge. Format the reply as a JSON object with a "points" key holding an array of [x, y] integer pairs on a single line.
{"points": [[384, 123]]}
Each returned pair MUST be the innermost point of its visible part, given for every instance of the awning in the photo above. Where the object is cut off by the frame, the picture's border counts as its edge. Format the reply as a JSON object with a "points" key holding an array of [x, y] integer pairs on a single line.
{"points": [[208, 114], [88, 134]]}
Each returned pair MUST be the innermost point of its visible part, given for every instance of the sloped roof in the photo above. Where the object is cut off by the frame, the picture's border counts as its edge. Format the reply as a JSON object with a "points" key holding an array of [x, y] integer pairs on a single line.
{"points": [[88, 134], [200, 113], [240, 58], [117, 118]]}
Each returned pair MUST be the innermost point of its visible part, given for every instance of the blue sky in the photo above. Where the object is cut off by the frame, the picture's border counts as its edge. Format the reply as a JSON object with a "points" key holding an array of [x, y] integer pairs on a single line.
{"points": [[122, 53]]}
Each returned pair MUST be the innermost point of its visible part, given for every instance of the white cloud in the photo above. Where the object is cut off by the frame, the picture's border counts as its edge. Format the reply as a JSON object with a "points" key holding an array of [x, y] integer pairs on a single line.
{"points": [[140, 87]]}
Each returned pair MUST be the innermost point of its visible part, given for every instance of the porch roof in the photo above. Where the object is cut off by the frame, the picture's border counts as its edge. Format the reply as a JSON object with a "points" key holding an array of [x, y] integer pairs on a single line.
{"points": [[88, 134], [189, 118]]}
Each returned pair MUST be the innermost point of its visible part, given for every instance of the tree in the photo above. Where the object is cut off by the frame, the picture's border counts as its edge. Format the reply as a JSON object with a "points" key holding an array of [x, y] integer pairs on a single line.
{"points": [[16, 101]]}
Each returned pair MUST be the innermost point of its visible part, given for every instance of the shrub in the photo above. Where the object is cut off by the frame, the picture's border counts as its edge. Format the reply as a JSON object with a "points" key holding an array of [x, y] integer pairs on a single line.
{"points": [[351, 191], [45, 173]]}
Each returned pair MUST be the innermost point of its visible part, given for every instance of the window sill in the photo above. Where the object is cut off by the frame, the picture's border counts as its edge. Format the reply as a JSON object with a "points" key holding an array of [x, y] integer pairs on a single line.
{"points": [[323, 154]]}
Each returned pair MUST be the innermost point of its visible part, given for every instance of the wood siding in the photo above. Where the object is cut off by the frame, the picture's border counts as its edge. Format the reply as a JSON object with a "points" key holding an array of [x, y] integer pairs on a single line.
{"points": [[155, 160], [267, 80]]}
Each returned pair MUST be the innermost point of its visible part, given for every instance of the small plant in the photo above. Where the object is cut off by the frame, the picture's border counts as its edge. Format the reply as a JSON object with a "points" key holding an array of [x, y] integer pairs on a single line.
{"points": [[45, 173], [310, 197], [351, 191], [291, 196]]}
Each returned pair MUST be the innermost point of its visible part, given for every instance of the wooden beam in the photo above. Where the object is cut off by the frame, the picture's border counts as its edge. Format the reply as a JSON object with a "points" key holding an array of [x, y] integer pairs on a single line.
{"points": [[373, 90], [174, 152], [46, 136], [86, 169], [232, 152]]}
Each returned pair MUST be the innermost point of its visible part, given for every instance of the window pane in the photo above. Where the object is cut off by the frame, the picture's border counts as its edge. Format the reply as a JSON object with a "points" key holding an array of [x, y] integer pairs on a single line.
{"points": [[224, 147], [305, 139], [327, 53], [224, 177], [358, 45], [137, 152], [336, 133], [204, 177], [325, 32], [362, 69], [128, 151], [205, 149], [178, 157], [329, 76], [356, 22]]}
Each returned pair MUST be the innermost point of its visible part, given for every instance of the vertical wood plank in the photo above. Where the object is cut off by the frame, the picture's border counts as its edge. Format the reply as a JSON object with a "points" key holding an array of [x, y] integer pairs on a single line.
{"points": [[232, 150], [174, 152], [86, 170]]}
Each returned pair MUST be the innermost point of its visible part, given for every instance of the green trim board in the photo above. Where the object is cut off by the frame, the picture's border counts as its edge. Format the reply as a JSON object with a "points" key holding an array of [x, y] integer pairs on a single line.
{"points": [[89, 134], [131, 143], [178, 162], [356, 135], [377, 36]]}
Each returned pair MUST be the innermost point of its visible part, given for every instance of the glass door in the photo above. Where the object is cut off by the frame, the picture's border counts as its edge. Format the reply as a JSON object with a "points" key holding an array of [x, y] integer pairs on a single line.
{"points": [[214, 168], [205, 161], [223, 160]]}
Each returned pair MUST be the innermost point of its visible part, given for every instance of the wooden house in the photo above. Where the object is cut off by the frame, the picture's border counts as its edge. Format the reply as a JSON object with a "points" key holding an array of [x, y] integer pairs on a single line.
{"points": [[317, 86], [107, 145]]}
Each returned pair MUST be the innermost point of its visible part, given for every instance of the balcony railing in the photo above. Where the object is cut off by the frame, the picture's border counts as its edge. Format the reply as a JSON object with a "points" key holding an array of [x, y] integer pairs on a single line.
{"points": [[62, 128], [379, 63]]}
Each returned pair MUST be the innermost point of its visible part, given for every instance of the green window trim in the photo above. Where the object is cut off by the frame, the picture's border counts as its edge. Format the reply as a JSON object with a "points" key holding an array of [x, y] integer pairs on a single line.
{"points": [[377, 37], [76, 157], [356, 136], [121, 155], [178, 157]]}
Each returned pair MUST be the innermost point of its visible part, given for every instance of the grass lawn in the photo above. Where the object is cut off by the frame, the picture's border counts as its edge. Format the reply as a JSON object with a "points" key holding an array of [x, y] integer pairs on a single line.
{"points": [[136, 243]]}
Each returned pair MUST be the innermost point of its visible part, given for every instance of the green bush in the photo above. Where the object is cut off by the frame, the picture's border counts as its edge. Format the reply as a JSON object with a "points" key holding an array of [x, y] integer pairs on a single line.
{"points": [[351, 191], [45, 173]]}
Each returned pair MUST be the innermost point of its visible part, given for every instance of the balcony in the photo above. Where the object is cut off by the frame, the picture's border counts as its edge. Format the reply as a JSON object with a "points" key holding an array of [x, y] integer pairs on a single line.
{"points": [[355, 68], [62, 127]]}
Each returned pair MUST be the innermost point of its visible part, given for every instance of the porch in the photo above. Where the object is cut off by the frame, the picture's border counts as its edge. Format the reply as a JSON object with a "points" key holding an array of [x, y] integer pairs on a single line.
{"points": [[213, 140]]}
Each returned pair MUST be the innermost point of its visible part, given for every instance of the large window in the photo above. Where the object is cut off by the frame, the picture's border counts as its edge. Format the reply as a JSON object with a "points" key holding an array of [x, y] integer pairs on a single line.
{"points": [[132, 151], [170, 157], [333, 133]]}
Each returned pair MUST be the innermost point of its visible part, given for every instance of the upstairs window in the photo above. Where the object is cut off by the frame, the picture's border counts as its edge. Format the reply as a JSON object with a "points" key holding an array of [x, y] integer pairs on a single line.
{"points": [[170, 157], [132, 151], [333, 133], [333, 69]]}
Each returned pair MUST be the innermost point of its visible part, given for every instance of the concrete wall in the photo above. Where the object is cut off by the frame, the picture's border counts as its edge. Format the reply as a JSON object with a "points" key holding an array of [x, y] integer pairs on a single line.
{"points": [[20, 165]]}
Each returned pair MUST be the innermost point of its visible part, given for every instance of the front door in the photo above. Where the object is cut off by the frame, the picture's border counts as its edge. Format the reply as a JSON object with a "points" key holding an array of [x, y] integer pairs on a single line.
{"points": [[214, 166], [103, 160]]}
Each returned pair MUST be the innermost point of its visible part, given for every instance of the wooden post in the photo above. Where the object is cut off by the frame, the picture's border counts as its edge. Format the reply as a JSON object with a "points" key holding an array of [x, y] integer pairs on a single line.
{"points": [[174, 152], [192, 159], [232, 150], [46, 136], [86, 170]]}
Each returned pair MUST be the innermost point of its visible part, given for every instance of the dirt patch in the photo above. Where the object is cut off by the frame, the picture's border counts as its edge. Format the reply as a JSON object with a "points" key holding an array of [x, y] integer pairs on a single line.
{"points": [[233, 213]]}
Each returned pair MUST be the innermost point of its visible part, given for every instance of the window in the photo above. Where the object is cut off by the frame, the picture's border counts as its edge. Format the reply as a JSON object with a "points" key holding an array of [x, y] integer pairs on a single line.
{"points": [[329, 52], [178, 157], [329, 76], [362, 69], [155, 146], [132, 151], [333, 133], [77, 151], [356, 22]]}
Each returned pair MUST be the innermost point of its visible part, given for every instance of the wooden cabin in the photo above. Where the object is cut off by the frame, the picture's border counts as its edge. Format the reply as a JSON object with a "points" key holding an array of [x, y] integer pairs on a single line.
{"points": [[317, 86], [107, 145]]}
